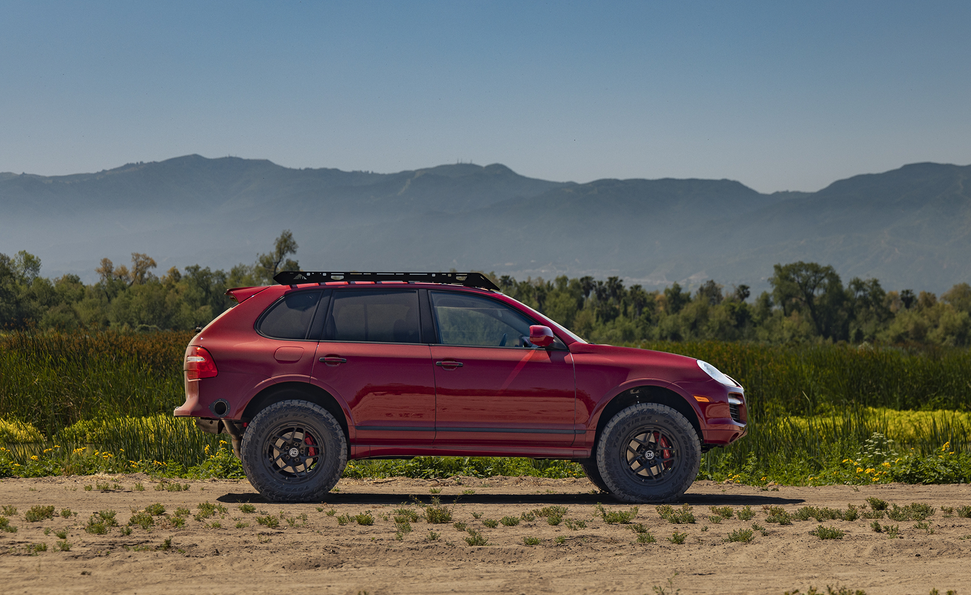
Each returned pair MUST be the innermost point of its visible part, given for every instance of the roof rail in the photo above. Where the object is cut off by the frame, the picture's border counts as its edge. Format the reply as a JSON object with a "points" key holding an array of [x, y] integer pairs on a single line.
{"points": [[466, 279]]}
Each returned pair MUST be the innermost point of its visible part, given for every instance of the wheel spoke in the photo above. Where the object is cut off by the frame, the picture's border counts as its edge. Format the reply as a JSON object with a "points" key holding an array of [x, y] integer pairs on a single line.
{"points": [[650, 455]]}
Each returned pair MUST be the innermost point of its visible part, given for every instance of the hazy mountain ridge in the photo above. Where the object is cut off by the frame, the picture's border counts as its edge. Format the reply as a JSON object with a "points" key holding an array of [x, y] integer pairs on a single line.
{"points": [[909, 227]]}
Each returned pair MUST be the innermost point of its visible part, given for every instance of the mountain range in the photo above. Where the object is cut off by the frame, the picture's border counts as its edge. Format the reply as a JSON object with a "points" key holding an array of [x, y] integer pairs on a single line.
{"points": [[909, 227]]}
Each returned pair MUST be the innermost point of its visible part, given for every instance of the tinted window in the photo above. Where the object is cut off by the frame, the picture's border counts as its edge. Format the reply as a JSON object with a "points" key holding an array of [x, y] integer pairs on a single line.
{"points": [[473, 320], [384, 316], [290, 318]]}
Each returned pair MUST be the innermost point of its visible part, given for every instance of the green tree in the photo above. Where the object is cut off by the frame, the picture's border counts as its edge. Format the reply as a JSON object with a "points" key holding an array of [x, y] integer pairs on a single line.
{"points": [[815, 291], [269, 264]]}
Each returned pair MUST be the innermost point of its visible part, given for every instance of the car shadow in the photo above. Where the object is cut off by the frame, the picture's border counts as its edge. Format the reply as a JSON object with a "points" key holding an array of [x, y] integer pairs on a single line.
{"points": [[364, 498]]}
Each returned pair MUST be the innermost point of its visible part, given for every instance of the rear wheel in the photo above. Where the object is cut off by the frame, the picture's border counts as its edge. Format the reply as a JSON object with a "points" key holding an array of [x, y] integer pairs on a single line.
{"points": [[648, 453], [294, 451]]}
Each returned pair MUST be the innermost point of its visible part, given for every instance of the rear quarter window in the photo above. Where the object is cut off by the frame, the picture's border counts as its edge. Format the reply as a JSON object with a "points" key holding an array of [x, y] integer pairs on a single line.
{"points": [[291, 317]]}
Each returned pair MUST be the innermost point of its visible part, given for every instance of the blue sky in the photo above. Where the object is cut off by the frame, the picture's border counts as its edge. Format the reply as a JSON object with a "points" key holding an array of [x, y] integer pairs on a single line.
{"points": [[777, 95]]}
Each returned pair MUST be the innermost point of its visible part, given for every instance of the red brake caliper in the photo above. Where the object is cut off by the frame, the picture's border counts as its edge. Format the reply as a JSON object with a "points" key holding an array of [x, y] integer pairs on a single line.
{"points": [[311, 452], [665, 452]]}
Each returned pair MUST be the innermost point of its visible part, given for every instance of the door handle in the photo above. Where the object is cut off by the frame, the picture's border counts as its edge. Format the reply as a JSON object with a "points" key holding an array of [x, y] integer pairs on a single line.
{"points": [[449, 364], [333, 360]]}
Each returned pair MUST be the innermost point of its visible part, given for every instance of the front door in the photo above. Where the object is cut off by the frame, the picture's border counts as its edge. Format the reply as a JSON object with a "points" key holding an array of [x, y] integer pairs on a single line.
{"points": [[493, 387]]}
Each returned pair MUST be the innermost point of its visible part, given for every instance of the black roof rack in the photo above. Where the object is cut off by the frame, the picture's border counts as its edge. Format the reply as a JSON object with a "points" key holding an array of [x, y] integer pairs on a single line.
{"points": [[466, 279]]}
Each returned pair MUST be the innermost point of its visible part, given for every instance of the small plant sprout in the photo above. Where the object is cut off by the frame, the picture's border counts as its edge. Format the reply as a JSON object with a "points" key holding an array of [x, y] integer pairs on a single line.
{"points": [[612, 517], [677, 538], [509, 521], [475, 538], [247, 508], [680, 516], [156, 509], [827, 532], [741, 535], [437, 514], [531, 540], [746, 513], [491, 523], [39, 513], [777, 514], [144, 519], [876, 503], [407, 514]]}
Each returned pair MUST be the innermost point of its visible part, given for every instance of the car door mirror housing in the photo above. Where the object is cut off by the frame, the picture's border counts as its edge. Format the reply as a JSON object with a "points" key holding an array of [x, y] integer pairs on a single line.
{"points": [[540, 336]]}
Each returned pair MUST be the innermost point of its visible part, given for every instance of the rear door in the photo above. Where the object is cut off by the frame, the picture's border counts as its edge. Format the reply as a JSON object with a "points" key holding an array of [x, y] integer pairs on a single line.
{"points": [[370, 355]]}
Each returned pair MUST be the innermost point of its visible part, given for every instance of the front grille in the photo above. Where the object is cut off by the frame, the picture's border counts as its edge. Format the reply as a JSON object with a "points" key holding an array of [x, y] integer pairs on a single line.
{"points": [[736, 413]]}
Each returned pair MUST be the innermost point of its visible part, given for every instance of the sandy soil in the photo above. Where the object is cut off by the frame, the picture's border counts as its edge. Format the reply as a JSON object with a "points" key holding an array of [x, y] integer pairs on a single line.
{"points": [[310, 551]]}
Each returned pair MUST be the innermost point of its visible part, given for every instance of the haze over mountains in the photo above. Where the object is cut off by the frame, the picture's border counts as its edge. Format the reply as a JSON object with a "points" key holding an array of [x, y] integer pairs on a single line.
{"points": [[909, 228]]}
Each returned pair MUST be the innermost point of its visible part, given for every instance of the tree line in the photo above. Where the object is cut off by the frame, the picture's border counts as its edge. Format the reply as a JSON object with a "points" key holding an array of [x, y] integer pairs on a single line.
{"points": [[807, 302]]}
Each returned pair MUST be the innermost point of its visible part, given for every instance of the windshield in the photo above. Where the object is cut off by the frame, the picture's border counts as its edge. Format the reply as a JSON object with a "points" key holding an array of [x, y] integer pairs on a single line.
{"points": [[556, 324]]}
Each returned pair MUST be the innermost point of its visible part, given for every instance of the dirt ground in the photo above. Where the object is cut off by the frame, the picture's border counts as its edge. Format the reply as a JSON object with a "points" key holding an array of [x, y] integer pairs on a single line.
{"points": [[311, 551]]}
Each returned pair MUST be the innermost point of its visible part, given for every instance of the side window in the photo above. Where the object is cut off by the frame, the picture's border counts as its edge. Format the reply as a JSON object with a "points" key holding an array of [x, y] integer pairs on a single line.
{"points": [[383, 316], [290, 317], [473, 320]]}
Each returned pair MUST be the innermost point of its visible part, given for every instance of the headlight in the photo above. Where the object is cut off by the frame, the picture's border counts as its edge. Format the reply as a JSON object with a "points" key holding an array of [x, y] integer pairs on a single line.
{"points": [[715, 374]]}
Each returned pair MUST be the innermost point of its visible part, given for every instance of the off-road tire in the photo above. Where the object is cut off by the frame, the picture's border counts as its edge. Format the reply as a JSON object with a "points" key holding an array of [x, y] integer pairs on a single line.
{"points": [[294, 451], [648, 453], [592, 471]]}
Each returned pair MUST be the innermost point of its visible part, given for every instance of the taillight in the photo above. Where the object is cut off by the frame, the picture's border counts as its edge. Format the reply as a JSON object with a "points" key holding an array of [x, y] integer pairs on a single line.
{"points": [[199, 364]]}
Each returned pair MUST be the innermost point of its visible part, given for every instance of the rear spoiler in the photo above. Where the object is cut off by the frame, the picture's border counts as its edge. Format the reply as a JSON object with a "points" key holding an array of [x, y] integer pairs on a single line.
{"points": [[241, 294]]}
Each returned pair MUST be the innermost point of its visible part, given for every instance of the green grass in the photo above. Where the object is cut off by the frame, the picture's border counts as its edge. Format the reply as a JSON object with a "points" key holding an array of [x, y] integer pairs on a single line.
{"points": [[819, 414]]}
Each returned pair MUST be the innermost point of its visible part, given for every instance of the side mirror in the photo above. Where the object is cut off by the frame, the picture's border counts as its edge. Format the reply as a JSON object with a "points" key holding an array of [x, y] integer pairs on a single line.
{"points": [[540, 336]]}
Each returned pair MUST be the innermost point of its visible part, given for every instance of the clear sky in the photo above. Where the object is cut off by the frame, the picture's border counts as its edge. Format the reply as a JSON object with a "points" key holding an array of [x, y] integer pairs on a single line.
{"points": [[776, 95]]}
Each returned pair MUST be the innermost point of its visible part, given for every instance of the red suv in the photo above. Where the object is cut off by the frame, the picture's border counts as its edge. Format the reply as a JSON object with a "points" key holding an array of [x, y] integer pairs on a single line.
{"points": [[327, 367]]}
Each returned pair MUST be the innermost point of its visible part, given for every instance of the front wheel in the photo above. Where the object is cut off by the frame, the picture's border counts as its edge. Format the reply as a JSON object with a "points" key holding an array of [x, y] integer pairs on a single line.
{"points": [[648, 453], [294, 451]]}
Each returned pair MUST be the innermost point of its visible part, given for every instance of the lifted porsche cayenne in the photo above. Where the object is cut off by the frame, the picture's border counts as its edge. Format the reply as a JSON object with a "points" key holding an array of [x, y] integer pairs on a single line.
{"points": [[327, 367]]}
